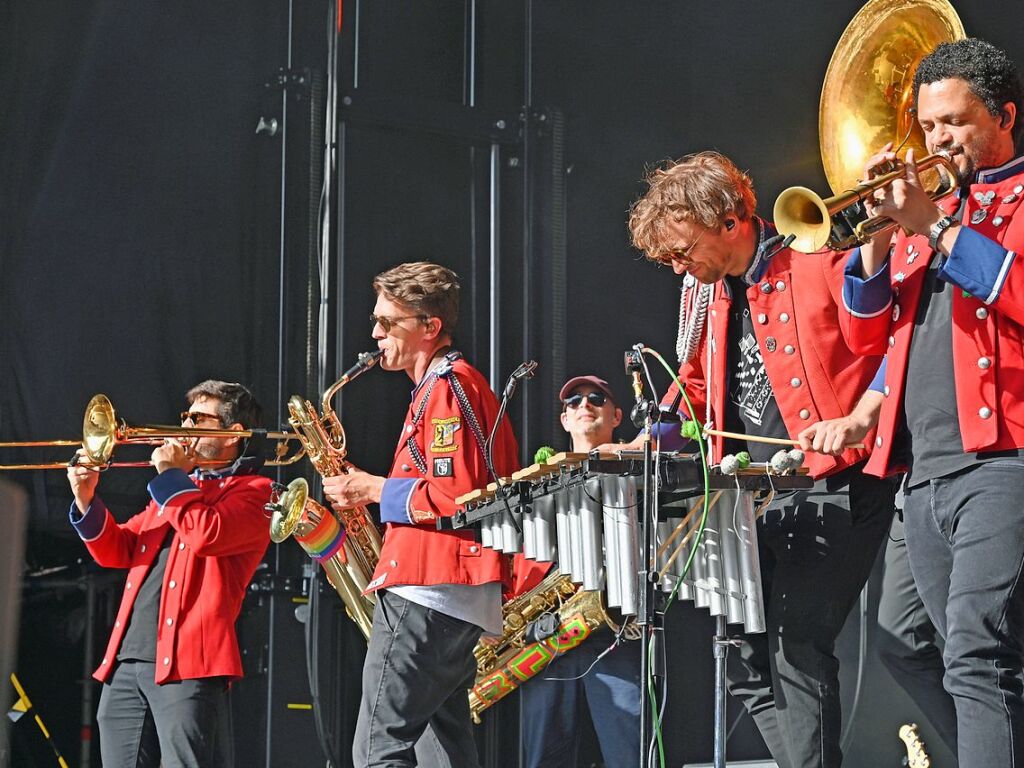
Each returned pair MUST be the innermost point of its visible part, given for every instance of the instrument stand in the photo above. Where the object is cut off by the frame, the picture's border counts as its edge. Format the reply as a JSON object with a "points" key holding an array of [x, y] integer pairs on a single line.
{"points": [[645, 613], [721, 644]]}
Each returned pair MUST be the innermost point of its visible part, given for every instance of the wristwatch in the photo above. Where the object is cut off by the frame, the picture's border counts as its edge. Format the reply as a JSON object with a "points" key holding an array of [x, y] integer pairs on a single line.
{"points": [[937, 229]]}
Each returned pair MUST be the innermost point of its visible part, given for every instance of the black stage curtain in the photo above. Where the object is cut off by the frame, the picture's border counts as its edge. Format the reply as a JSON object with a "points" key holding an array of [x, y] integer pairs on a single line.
{"points": [[140, 247]]}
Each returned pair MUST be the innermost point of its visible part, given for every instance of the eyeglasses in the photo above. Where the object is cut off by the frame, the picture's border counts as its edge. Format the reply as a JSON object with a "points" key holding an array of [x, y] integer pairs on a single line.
{"points": [[386, 322], [197, 416], [680, 254], [596, 399]]}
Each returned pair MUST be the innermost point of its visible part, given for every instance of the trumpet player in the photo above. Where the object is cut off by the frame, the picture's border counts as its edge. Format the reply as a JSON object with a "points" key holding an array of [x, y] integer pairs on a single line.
{"points": [[437, 591], [190, 555], [945, 299]]}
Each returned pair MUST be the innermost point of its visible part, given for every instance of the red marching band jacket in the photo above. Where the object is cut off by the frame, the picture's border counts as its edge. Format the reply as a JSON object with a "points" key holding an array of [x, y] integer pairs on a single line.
{"points": [[220, 533], [439, 458], [795, 306], [988, 317]]}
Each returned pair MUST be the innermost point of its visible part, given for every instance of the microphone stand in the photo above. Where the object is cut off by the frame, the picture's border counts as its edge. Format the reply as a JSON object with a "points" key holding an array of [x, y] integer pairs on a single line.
{"points": [[524, 371], [651, 620]]}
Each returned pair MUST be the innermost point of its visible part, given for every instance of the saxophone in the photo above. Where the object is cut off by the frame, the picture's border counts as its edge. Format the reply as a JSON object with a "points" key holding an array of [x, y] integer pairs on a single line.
{"points": [[503, 666], [346, 544]]}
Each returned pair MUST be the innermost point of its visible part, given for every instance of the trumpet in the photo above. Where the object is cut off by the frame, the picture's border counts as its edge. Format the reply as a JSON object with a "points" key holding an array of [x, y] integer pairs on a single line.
{"points": [[102, 432], [841, 221], [865, 103]]}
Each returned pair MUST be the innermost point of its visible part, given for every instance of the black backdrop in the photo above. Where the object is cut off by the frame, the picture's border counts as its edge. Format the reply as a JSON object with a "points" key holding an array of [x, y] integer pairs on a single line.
{"points": [[143, 246]]}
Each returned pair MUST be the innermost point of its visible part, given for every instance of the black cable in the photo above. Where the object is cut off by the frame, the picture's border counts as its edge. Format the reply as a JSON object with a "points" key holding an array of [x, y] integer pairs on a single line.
{"points": [[862, 652], [312, 633]]}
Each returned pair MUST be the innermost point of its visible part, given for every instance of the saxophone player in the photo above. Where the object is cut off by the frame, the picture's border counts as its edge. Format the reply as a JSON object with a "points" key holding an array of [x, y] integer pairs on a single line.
{"points": [[437, 591]]}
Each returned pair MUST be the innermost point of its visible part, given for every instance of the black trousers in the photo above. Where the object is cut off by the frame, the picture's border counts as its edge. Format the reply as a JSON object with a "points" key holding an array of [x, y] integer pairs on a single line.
{"points": [[415, 706], [184, 724], [965, 538], [908, 643], [817, 549]]}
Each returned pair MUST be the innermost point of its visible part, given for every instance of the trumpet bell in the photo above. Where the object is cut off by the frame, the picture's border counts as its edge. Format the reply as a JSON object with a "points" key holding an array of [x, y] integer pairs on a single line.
{"points": [[867, 97], [286, 511], [801, 212]]}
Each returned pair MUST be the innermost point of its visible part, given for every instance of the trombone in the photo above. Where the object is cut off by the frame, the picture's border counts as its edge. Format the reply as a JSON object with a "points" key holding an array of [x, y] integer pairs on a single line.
{"points": [[102, 431]]}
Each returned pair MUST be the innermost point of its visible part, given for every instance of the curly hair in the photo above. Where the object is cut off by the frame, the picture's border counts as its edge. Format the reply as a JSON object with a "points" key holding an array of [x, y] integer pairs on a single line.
{"points": [[428, 289], [704, 187], [237, 403], [989, 72]]}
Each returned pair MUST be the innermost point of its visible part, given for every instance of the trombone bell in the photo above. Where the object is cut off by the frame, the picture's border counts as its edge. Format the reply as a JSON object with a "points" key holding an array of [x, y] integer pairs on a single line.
{"points": [[99, 429]]}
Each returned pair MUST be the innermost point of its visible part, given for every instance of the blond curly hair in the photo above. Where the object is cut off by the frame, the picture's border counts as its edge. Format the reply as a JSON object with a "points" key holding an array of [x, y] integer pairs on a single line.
{"points": [[705, 187]]}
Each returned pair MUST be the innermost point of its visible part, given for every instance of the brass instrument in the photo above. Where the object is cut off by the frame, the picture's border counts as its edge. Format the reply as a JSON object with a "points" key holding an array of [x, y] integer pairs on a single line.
{"points": [[503, 666], [102, 431], [349, 562], [866, 102]]}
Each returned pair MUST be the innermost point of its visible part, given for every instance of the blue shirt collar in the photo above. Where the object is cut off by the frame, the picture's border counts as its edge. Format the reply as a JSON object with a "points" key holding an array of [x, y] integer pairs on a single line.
{"points": [[244, 465], [762, 253], [1003, 172]]}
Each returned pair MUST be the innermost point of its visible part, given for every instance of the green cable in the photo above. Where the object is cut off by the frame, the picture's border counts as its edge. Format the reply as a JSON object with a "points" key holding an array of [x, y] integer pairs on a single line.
{"points": [[704, 468], [689, 560]]}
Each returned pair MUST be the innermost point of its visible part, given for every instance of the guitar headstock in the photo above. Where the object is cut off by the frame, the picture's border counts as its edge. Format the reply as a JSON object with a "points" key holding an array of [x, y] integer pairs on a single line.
{"points": [[917, 757]]}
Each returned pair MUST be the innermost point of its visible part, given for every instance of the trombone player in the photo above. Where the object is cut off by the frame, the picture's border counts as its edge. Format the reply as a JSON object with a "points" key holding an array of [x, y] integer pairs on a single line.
{"points": [[945, 299], [190, 555]]}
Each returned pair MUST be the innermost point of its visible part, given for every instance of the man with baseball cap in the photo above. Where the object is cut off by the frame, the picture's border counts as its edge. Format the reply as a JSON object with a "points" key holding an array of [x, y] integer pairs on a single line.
{"points": [[600, 674]]}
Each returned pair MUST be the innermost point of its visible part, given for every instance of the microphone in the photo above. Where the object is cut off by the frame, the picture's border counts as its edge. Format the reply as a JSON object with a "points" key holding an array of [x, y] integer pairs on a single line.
{"points": [[634, 365], [525, 370], [773, 245]]}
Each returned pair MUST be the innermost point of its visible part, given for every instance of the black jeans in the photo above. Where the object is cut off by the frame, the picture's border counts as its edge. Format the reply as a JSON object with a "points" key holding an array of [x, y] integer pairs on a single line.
{"points": [[817, 549], [416, 679], [965, 538], [185, 724], [908, 642]]}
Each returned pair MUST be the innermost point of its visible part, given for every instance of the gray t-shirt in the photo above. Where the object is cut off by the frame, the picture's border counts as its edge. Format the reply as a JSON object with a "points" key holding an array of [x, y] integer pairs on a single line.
{"points": [[139, 642], [933, 441]]}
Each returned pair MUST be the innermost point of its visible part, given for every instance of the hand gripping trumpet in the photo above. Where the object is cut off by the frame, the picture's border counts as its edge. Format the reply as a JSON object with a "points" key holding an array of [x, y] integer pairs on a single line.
{"points": [[346, 544], [866, 102]]}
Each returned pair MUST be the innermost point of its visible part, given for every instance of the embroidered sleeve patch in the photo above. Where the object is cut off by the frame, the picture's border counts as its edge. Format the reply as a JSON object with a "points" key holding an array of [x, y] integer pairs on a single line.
{"points": [[443, 467], [444, 435], [420, 516]]}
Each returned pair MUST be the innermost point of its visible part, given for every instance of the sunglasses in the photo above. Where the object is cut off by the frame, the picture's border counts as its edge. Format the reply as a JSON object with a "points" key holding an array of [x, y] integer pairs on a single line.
{"points": [[596, 399], [386, 322], [679, 254], [197, 416]]}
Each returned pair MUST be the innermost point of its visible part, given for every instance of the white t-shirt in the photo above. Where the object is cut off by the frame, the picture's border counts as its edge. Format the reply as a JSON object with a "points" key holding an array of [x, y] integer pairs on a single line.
{"points": [[478, 604]]}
